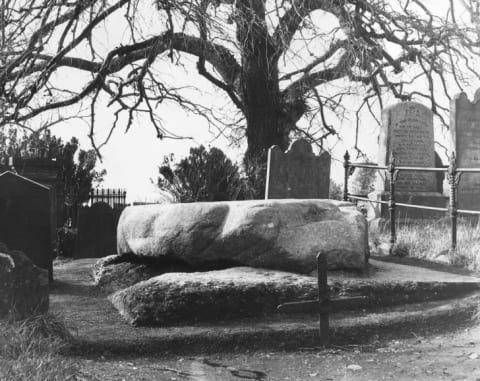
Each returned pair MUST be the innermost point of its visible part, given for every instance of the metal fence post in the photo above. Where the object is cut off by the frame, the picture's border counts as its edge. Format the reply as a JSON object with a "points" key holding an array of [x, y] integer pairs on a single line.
{"points": [[346, 166], [393, 173], [453, 180]]}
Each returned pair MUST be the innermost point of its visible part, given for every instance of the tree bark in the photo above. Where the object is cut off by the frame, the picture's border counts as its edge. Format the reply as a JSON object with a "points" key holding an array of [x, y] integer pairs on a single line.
{"points": [[265, 128], [260, 92]]}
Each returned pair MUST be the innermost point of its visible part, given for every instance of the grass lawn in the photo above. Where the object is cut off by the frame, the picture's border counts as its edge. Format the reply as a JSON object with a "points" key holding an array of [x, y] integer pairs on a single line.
{"points": [[432, 240], [30, 350]]}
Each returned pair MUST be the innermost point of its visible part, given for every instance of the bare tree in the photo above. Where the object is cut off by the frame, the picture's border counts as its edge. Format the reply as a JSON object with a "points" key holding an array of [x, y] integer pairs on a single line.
{"points": [[279, 62]]}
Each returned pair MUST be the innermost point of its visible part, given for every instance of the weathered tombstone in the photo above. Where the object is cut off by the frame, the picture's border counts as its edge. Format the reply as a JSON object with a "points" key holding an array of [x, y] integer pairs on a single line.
{"points": [[97, 231], [297, 173], [43, 171], [26, 218], [465, 132], [407, 133]]}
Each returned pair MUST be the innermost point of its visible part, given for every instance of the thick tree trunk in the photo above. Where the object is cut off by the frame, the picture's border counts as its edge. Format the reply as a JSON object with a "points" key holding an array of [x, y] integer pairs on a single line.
{"points": [[265, 127], [260, 92], [267, 122]]}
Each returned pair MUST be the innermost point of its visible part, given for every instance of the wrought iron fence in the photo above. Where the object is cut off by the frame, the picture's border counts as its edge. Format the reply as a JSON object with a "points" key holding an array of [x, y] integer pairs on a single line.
{"points": [[116, 198], [454, 175]]}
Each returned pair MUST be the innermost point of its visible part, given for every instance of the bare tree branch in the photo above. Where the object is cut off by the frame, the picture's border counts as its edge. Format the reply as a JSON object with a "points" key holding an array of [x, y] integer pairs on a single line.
{"points": [[278, 61]]}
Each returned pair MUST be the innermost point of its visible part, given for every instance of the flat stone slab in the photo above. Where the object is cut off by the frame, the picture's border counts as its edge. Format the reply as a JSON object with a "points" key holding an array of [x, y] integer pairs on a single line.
{"points": [[386, 271], [96, 323], [208, 296], [116, 272], [177, 298], [281, 235]]}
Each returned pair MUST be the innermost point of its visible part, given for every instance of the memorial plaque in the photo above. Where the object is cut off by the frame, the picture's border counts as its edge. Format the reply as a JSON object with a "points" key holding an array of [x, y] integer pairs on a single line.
{"points": [[407, 132], [465, 130], [297, 173]]}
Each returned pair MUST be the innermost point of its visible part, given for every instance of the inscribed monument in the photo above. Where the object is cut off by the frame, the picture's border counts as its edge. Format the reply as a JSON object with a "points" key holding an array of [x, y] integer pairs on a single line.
{"points": [[465, 132], [407, 133], [297, 173]]}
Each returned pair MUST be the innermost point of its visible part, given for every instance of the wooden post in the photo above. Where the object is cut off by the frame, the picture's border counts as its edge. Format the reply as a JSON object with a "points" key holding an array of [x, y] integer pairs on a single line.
{"points": [[323, 299]]}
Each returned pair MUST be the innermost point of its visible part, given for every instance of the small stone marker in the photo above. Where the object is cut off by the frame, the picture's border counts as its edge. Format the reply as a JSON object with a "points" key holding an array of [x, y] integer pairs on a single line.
{"points": [[297, 173], [465, 132], [407, 133]]}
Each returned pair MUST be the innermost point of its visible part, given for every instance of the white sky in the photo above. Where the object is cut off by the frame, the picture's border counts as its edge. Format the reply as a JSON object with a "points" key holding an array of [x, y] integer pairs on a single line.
{"points": [[132, 159]]}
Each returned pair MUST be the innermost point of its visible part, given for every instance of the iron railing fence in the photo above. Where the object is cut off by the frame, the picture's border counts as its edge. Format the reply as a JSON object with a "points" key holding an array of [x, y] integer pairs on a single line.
{"points": [[116, 198], [454, 175]]}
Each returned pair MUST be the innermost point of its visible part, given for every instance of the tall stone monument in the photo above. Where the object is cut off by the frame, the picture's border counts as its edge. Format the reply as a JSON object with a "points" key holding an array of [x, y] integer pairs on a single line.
{"points": [[297, 173], [407, 133], [465, 132]]}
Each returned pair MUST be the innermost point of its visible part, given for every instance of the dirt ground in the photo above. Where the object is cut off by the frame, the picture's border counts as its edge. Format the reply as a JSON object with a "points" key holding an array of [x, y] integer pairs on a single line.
{"points": [[449, 356], [446, 357]]}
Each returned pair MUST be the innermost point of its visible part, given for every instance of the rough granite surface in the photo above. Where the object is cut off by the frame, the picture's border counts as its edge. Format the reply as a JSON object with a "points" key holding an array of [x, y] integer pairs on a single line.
{"points": [[282, 235]]}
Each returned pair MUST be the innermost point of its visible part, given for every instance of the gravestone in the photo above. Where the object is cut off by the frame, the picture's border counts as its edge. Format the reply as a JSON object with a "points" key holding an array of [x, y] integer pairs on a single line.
{"points": [[465, 132], [43, 171], [407, 133], [27, 222], [439, 176], [297, 173], [97, 231]]}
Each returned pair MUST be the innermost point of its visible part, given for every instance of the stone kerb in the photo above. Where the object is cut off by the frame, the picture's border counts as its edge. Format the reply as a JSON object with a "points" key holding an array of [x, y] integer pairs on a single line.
{"points": [[297, 173], [407, 133], [465, 138]]}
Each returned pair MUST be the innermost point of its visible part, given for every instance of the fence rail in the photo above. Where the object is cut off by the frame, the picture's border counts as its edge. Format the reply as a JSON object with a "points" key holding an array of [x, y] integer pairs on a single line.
{"points": [[454, 175]]}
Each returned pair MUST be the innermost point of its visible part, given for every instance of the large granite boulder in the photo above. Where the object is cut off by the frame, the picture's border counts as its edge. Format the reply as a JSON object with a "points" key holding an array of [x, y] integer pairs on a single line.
{"points": [[273, 234], [23, 286], [237, 292]]}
